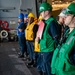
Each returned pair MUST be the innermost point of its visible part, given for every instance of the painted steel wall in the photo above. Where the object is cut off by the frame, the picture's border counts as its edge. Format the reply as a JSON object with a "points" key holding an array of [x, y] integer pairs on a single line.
{"points": [[11, 15], [28, 4]]}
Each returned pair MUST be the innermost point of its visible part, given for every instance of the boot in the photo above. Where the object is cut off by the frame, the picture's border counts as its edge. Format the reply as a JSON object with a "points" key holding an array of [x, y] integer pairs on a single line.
{"points": [[40, 72], [44, 73], [30, 64], [35, 63], [21, 56]]}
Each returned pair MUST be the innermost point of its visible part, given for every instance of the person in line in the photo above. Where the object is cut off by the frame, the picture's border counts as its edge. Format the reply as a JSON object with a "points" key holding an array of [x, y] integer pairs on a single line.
{"points": [[63, 60], [49, 37], [62, 26], [26, 18], [25, 24], [30, 36], [21, 35]]}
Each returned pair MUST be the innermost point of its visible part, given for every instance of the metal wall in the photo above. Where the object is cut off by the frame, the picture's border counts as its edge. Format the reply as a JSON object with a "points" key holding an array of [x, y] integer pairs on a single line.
{"points": [[28, 5], [9, 15], [13, 9]]}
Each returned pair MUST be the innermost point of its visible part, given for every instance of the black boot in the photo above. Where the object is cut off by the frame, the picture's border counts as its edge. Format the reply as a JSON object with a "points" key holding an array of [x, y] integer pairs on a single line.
{"points": [[40, 72], [44, 73], [35, 63], [21, 56], [30, 64]]}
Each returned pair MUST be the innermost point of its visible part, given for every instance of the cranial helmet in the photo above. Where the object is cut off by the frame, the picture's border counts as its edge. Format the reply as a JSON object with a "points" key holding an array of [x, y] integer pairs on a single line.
{"points": [[31, 15], [21, 16], [44, 7], [25, 15], [70, 9]]}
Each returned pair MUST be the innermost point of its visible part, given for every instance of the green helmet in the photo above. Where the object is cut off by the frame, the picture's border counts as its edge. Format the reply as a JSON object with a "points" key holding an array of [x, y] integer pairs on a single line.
{"points": [[70, 9], [45, 6]]}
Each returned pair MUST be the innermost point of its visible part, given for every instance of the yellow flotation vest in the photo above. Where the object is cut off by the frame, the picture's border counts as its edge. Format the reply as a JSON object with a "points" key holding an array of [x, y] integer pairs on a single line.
{"points": [[36, 47], [29, 31]]}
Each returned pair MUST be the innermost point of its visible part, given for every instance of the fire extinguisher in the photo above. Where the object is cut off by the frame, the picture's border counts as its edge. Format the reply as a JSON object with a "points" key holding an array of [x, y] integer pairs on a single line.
{"points": [[0, 25], [0, 22], [4, 24]]}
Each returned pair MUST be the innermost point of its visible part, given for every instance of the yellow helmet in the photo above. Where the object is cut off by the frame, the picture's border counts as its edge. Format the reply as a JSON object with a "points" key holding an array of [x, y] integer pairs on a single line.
{"points": [[40, 18], [31, 15]]}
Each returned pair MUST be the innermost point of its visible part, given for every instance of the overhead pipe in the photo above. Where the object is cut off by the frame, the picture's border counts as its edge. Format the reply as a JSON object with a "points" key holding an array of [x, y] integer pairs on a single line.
{"points": [[7, 8]]}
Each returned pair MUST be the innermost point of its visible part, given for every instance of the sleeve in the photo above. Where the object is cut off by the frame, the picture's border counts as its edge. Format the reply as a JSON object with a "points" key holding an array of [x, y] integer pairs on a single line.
{"points": [[53, 31], [22, 26], [35, 29]]}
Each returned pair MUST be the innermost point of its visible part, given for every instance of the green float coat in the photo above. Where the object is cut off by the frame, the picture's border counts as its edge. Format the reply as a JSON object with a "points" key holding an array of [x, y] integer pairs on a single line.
{"points": [[60, 62], [47, 42]]}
